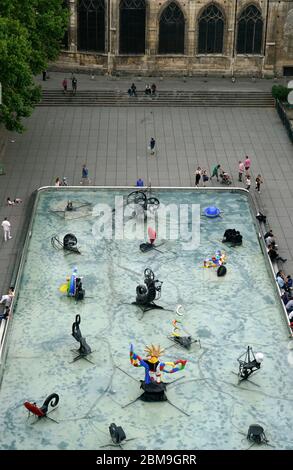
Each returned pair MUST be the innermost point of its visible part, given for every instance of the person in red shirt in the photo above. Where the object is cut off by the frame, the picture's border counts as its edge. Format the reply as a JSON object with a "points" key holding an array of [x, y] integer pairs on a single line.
{"points": [[64, 84], [247, 164]]}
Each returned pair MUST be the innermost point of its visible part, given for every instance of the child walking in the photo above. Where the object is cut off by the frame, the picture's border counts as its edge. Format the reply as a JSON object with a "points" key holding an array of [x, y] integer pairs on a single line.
{"points": [[258, 182], [248, 182]]}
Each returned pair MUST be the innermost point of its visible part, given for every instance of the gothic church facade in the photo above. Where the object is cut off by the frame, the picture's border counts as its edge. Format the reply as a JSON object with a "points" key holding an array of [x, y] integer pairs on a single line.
{"points": [[181, 37]]}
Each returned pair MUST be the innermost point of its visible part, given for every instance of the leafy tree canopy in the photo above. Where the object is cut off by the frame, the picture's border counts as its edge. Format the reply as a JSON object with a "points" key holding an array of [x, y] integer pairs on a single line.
{"points": [[280, 92], [31, 32]]}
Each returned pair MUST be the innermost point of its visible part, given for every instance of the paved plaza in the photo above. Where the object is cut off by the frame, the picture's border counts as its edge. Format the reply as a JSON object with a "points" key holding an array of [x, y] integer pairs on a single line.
{"points": [[91, 81], [113, 142]]}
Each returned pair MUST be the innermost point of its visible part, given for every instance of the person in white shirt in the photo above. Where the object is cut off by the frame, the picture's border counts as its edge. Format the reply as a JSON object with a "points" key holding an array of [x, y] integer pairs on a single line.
{"points": [[270, 241], [6, 229], [17, 200], [7, 298], [248, 182], [240, 170]]}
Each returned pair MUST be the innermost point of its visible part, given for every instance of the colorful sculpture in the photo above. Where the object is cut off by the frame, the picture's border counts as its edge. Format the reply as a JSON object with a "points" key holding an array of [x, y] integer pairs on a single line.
{"points": [[41, 412], [73, 287], [153, 366], [152, 386], [217, 260]]}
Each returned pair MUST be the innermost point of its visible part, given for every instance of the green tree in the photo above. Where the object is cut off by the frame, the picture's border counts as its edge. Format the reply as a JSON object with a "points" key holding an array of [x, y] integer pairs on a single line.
{"points": [[31, 32], [280, 92]]}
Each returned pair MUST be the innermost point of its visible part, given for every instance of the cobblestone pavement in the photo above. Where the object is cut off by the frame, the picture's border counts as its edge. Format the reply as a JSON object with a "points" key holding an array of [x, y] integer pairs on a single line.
{"points": [[113, 143]]}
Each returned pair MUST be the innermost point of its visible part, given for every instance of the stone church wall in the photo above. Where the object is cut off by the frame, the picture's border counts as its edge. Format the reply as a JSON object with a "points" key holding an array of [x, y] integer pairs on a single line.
{"points": [[276, 53]]}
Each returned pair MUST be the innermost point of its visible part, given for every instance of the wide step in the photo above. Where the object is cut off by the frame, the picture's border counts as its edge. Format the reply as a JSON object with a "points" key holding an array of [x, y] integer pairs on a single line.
{"points": [[175, 98]]}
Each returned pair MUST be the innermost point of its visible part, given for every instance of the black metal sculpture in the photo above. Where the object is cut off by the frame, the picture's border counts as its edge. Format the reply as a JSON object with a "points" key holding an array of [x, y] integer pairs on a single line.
{"points": [[249, 363], [221, 271], [256, 434], [84, 349], [69, 243], [148, 292], [79, 291], [69, 206], [118, 436], [76, 209], [232, 236], [140, 198], [117, 433]]}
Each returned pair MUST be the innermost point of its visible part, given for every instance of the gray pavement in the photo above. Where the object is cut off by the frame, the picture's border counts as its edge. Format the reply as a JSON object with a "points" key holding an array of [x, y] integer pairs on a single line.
{"points": [[87, 81], [113, 142]]}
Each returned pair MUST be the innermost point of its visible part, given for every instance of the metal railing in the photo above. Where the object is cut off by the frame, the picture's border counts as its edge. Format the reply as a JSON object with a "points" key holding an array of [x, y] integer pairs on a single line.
{"points": [[284, 118], [5, 326], [272, 267]]}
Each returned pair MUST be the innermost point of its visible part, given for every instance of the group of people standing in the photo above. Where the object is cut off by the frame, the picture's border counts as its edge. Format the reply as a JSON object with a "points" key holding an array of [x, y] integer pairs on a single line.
{"points": [[73, 84], [244, 166], [59, 182], [243, 172], [200, 173], [84, 178]]}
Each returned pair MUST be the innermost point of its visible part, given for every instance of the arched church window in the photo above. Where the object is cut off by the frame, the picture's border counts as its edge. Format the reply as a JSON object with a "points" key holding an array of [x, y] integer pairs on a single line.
{"points": [[91, 25], [132, 26], [172, 30], [211, 30], [64, 43], [249, 34]]}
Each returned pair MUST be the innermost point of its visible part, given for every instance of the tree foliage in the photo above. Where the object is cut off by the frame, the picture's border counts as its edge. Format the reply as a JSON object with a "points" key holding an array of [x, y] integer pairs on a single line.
{"points": [[31, 32], [280, 92]]}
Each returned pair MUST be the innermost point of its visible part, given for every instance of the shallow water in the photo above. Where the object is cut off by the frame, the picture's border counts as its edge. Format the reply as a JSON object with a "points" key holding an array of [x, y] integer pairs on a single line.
{"points": [[227, 314]]}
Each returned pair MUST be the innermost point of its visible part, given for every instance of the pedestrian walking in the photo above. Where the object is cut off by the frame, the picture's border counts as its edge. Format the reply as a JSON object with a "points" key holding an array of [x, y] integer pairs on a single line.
{"points": [[215, 172], [240, 170], [139, 182], [133, 88], [84, 175], [205, 177], [152, 146], [74, 85], [44, 73], [247, 164], [197, 174], [64, 84], [248, 182], [258, 182], [6, 229]]}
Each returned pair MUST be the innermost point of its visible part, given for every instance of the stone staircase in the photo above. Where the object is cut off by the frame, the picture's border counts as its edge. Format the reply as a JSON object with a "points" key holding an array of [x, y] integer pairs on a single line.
{"points": [[114, 98]]}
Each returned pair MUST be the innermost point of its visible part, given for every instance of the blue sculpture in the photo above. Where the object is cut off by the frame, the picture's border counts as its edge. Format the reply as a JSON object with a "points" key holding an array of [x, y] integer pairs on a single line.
{"points": [[212, 211]]}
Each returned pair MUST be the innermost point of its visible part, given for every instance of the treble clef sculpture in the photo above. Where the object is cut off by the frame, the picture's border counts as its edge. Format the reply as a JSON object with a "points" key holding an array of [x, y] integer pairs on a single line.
{"points": [[41, 412], [84, 349]]}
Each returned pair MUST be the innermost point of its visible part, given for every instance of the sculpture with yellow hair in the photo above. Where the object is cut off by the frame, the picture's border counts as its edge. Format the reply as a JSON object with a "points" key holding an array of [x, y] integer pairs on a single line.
{"points": [[153, 366]]}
